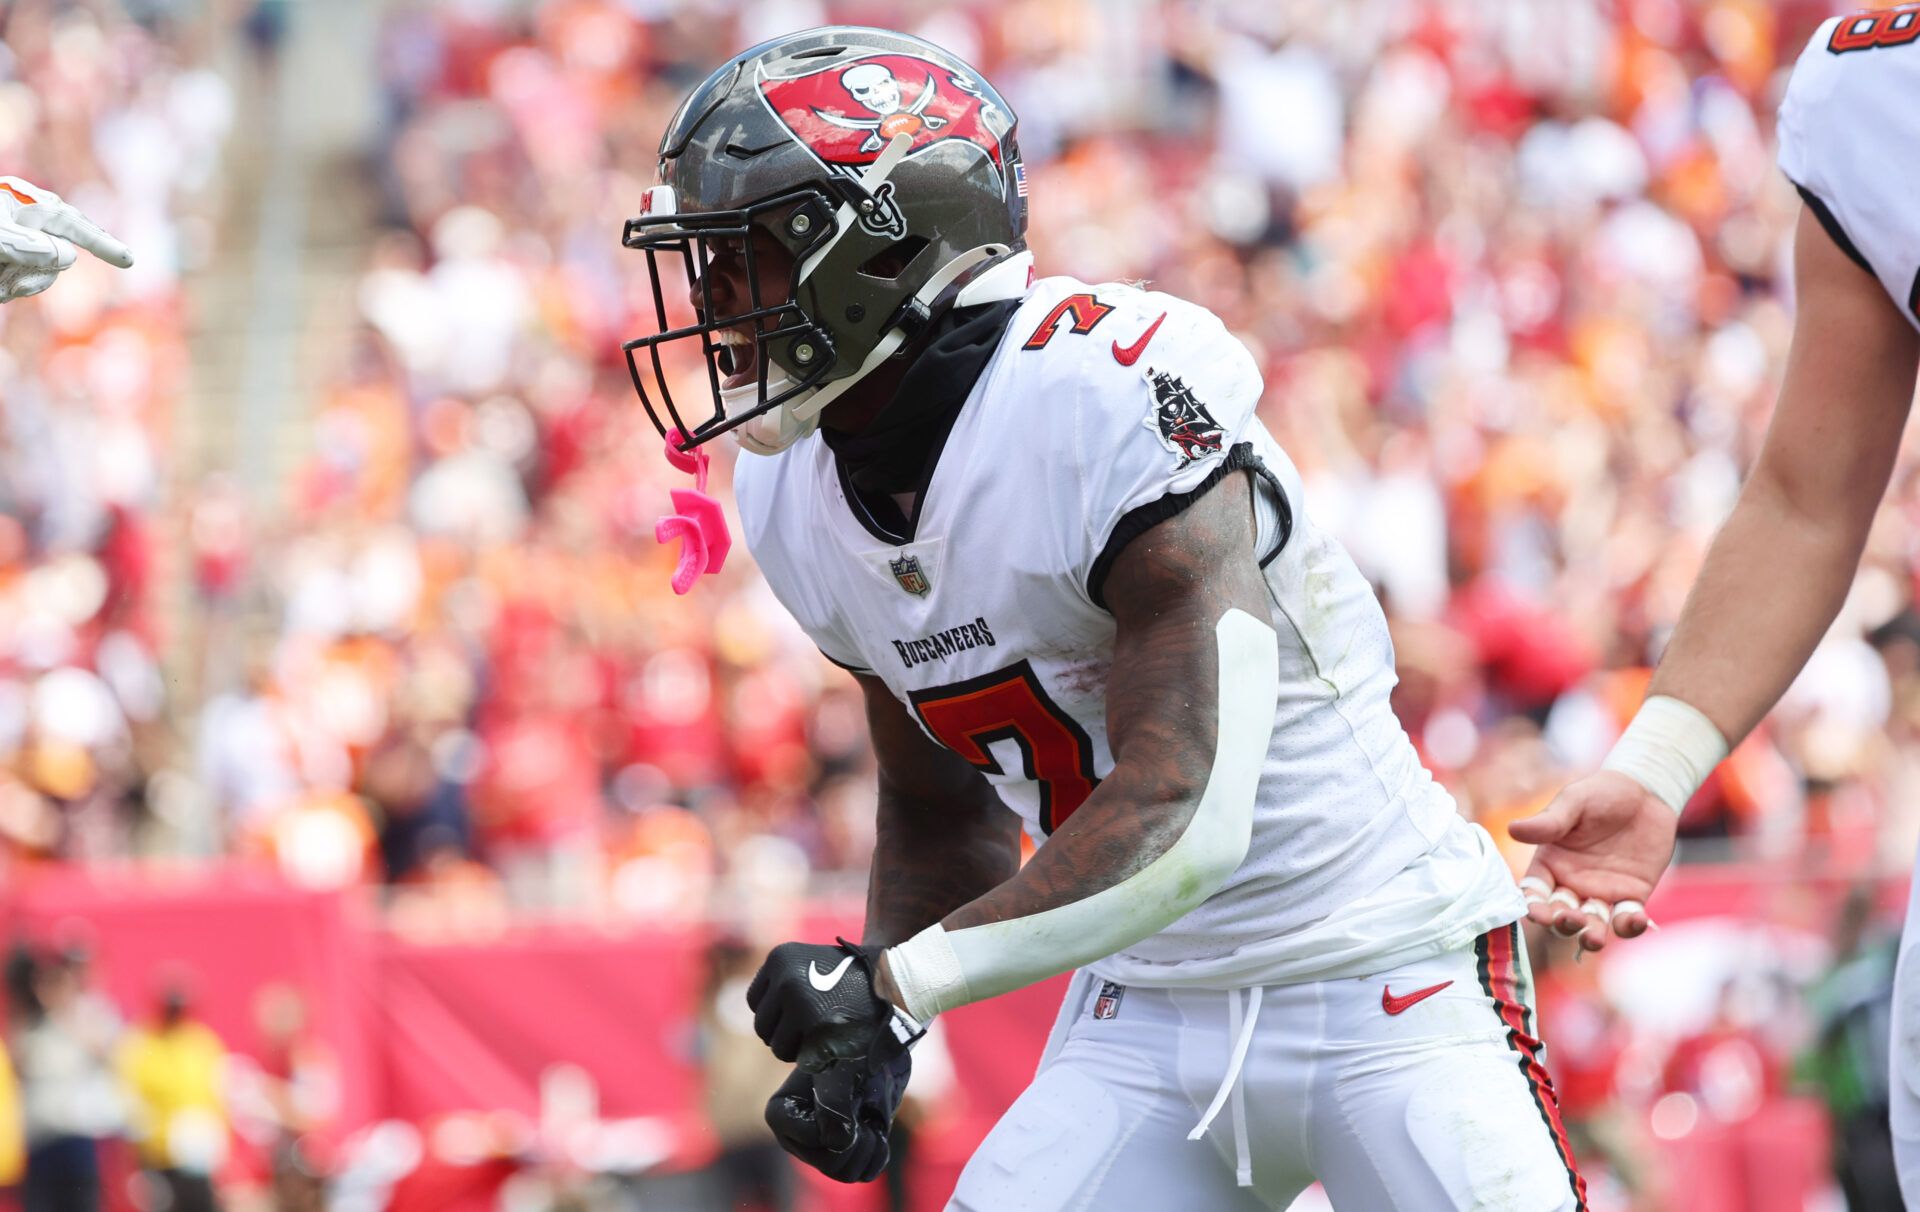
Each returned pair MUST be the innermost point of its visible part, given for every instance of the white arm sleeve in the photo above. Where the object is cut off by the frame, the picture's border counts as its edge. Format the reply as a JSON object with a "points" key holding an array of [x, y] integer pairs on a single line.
{"points": [[938, 969]]}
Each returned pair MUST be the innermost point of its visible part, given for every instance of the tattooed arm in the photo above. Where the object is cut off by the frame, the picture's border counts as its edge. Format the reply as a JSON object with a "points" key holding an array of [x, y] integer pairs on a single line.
{"points": [[1190, 705], [944, 837]]}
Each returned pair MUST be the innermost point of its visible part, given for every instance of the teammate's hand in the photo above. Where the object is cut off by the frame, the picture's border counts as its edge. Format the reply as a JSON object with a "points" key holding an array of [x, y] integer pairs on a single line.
{"points": [[816, 1004], [837, 1121], [38, 234], [1603, 843]]}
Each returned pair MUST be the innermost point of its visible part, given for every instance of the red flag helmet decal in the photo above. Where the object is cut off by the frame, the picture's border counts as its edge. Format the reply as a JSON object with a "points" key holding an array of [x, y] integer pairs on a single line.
{"points": [[848, 112]]}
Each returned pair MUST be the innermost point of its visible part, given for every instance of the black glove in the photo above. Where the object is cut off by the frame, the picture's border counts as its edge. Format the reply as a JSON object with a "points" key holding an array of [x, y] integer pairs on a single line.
{"points": [[815, 1004], [837, 1121]]}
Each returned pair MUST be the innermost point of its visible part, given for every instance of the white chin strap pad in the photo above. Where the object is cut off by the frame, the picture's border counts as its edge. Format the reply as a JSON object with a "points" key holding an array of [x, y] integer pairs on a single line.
{"points": [[773, 431], [1007, 280], [936, 970]]}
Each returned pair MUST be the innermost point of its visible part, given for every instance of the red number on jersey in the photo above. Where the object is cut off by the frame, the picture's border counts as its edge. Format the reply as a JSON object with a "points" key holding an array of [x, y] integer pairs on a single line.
{"points": [[1010, 704], [1866, 31], [1085, 310]]}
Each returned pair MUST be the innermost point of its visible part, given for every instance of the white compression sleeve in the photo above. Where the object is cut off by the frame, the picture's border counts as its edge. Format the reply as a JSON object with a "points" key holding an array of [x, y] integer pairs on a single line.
{"points": [[938, 969]]}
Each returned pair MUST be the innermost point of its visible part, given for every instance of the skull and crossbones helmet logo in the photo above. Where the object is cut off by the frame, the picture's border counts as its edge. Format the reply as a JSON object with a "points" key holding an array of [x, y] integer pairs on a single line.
{"points": [[873, 86], [879, 91]]}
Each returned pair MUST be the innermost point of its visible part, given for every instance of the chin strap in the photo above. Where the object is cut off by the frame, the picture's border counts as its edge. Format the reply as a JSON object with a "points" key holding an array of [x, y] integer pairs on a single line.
{"points": [[870, 182], [808, 407], [774, 431]]}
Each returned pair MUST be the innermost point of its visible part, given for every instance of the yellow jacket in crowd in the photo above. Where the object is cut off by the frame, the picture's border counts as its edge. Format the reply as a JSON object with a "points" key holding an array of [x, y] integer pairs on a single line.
{"points": [[13, 1142], [173, 1076]]}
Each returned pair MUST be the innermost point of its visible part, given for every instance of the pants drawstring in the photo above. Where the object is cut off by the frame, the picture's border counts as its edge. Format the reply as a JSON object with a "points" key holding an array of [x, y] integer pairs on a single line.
{"points": [[1242, 1030]]}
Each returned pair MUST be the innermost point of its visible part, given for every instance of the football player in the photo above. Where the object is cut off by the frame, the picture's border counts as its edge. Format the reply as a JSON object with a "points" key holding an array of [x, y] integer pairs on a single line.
{"points": [[1781, 566], [1076, 578], [38, 235]]}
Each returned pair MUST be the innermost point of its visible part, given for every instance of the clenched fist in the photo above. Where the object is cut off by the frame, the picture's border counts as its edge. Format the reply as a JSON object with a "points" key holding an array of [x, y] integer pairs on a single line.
{"points": [[816, 1004], [838, 1120]]}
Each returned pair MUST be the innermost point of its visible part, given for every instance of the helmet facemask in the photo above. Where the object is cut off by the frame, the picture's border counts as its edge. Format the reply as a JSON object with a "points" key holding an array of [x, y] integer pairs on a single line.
{"points": [[790, 354]]}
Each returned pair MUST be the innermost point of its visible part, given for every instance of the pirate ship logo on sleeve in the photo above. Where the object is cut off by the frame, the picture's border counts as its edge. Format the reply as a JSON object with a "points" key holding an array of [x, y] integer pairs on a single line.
{"points": [[1182, 422], [847, 113]]}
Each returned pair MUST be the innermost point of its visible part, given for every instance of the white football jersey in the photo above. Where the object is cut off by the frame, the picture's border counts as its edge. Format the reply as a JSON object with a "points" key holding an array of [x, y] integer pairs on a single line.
{"points": [[1850, 141], [1105, 410]]}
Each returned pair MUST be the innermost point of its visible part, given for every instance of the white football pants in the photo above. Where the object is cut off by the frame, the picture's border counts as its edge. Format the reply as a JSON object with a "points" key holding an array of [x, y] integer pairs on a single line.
{"points": [[1443, 1104], [1903, 1085]]}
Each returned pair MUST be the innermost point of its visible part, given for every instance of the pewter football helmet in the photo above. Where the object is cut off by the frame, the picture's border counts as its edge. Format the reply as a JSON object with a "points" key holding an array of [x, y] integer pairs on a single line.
{"points": [[883, 166]]}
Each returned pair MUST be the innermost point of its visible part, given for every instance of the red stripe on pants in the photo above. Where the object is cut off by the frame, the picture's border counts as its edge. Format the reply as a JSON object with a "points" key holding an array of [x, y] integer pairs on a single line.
{"points": [[1502, 979]]}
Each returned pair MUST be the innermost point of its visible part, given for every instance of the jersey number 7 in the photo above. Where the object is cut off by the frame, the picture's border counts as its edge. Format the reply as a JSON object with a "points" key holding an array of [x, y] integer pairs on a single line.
{"points": [[1082, 311], [1011, 705]]}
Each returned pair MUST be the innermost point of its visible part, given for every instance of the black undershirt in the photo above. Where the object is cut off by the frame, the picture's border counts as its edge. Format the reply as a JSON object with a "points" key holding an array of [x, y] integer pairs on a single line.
{"points": [[897, 451]]}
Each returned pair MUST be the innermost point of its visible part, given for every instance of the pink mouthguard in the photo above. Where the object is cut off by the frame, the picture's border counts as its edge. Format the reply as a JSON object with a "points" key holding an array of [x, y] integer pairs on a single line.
{"points": [[697, 521]]}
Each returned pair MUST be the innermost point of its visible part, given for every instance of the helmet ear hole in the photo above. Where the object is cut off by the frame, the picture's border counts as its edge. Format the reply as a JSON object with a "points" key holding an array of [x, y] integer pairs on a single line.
{"points": [[892, 261]]}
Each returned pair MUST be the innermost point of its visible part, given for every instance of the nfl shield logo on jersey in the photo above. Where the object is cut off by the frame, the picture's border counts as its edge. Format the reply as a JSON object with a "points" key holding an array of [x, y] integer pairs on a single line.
{"points": [[1107, 1005], [907, 571]]}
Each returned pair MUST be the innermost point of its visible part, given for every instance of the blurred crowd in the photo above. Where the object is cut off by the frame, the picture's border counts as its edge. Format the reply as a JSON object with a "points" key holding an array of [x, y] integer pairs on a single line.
{"points": [[1515, 274], [121, 111], [95, 1108], [1514, 269]]}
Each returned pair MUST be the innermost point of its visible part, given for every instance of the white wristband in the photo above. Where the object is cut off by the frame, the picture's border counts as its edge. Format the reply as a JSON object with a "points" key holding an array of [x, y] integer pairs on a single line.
{"points": [[1669, 748], [927, 972]]}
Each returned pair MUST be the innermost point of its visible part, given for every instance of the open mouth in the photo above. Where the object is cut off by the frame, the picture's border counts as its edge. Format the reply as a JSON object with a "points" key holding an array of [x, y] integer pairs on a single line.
{"points": [[739, 357]]}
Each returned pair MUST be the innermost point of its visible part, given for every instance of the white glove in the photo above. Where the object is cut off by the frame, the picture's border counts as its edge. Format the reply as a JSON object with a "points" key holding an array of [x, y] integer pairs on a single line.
{"points": [[38, 233]]}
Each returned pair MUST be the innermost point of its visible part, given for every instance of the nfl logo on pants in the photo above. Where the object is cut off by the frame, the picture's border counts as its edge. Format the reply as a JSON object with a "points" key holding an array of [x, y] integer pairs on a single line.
{"points": [[1107, 1005]]}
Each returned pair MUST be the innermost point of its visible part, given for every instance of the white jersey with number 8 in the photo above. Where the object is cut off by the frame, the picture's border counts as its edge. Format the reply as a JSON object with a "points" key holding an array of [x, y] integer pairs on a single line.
{"points": [[1850, 142]]}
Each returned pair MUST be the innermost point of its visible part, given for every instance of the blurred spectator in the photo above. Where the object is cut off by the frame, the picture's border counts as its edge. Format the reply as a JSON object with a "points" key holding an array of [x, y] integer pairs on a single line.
{"points": [[300, 1088], [174, 1068], [13, 1133], [1728, 1068], [69, 1100], [1591, 1040], [752, 1171], [1850, 1062]]}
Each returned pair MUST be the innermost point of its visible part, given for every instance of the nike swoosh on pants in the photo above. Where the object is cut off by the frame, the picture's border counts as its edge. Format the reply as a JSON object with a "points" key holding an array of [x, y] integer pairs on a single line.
{"points": [[1394, 1005]]}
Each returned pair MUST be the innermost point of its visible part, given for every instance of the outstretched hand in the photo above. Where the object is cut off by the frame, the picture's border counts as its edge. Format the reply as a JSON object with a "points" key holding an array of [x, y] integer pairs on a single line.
{"points": [[1602, 845], [39, 233]]}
